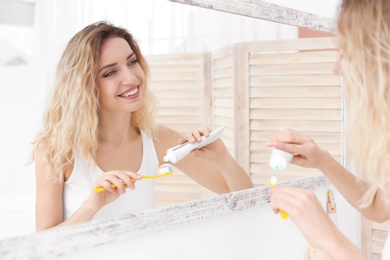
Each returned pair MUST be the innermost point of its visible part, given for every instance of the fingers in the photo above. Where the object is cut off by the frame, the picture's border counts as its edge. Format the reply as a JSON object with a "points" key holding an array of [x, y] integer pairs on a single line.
{"points": [[291, 141], [196, 135], [296, 202], [117, 181], [306, 212], [289, 136]]}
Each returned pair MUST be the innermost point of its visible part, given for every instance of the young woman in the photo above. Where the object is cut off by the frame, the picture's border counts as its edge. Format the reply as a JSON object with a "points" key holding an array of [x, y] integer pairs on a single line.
{"points": [[364, 42], [99, 129]]}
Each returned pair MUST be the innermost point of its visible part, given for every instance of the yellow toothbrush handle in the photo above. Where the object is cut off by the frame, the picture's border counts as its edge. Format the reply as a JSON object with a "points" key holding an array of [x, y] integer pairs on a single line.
{"points": [[150, 176], [283, 214], [156, 176], [99, 189]]}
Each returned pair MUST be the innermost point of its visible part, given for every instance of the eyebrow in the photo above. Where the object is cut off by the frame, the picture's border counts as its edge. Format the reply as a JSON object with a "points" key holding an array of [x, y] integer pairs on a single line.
{"points": [[113, 64]]}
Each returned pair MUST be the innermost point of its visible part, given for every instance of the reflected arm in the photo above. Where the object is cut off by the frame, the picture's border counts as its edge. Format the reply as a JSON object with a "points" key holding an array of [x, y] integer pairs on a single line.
{"points": [[212, 166]]}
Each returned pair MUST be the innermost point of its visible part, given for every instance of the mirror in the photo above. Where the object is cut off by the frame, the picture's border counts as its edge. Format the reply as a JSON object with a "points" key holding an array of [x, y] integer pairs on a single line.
{"points": [[55, 22]]}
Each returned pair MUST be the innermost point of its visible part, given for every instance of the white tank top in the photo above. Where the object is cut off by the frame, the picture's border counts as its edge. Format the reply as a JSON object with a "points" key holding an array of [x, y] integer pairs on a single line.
{"points": [[386, 249], [80, 185]]}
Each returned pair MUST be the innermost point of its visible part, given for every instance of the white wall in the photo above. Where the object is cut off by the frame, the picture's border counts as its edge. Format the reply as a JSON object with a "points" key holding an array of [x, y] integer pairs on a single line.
{"points": [[21, 105]]}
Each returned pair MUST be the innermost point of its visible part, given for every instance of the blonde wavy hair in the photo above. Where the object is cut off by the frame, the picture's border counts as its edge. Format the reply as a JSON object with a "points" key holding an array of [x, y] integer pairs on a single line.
{"points": [[364, 42], [71, 115]]}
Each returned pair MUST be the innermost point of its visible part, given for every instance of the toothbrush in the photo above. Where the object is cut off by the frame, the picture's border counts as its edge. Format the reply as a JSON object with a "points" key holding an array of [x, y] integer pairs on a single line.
{"points": [[161, 173], [272, 184]]}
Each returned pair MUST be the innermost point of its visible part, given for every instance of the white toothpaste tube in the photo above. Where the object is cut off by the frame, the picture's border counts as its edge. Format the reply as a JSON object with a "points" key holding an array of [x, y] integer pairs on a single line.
{"points": [[280, 159], [178, 152]]}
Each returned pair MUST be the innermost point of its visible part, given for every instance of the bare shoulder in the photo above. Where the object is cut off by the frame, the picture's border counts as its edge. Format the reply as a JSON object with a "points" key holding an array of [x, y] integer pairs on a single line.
{"points": [[42, 162], [168, 135], [39, 152]]}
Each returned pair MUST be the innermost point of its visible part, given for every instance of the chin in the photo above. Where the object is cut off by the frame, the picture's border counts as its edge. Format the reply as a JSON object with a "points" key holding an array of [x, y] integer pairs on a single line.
{"points": [[138, 105]]}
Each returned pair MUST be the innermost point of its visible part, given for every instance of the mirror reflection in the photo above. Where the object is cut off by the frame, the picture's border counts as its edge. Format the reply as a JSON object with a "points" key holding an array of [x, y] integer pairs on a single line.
{"points": [[196, 75]]}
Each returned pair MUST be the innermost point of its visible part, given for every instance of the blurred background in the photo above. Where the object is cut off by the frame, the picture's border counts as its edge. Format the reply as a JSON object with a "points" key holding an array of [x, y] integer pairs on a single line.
{"points": [[33, 35]]}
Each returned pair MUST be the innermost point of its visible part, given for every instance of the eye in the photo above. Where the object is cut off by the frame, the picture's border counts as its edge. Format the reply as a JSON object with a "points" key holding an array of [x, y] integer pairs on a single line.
{"points": [[132, 62], [110, 73]]}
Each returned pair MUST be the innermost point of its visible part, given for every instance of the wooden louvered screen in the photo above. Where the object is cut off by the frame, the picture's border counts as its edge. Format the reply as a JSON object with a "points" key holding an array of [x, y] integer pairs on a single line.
{"points": [[252, 89], [276, 84], [373, 238], [291, 85], [180, 84], [222, 95]]}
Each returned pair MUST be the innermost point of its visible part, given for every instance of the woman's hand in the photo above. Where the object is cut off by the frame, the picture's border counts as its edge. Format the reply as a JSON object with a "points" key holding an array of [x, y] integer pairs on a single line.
{"points": [[307, 153], [215, 151], [308, 215], [121, 179], [305, 210]]}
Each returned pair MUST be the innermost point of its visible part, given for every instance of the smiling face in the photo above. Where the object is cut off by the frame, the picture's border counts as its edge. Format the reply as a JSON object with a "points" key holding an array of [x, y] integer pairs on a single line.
{"points": [[120, 77]]}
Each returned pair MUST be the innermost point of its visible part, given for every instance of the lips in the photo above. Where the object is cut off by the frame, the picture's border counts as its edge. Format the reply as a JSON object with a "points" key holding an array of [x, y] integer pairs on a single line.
{"points": [[131, 93]]}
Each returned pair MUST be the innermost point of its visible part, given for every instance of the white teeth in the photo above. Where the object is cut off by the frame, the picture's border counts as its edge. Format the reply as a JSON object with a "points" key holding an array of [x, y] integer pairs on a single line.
{"points": [[130, 93]]}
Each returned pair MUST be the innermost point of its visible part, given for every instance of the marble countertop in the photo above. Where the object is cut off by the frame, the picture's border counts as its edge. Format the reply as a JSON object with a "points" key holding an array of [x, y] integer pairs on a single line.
{"points": [[61, 240]]}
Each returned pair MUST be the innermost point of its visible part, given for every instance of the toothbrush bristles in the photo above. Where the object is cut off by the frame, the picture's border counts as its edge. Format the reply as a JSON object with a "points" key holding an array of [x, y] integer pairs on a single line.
{"points": [[274, 180], [165, 170]]}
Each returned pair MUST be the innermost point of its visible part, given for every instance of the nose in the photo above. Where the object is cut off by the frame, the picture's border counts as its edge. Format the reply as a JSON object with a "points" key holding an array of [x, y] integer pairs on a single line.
{"points": [[337, 70], [129, 77]]}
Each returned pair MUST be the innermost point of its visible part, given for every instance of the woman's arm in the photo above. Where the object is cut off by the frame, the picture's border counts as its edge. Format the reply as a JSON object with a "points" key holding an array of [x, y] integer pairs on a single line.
{"points": [[49, 200], [211, 166], [309, 155], [353, 189]]}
